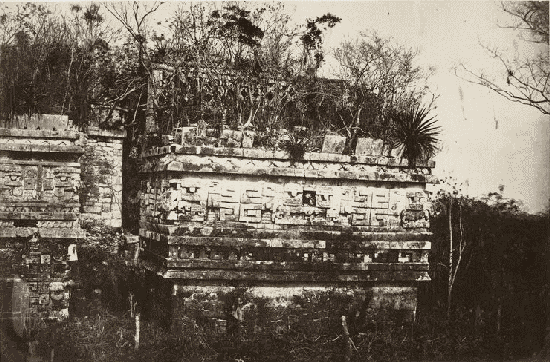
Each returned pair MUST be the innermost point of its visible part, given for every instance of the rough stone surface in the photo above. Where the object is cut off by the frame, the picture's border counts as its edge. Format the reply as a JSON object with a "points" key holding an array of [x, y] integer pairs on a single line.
{"points": [[218, 217], [39, 217], [102, 173], [334, 144], [364, 146], [221, 304]]}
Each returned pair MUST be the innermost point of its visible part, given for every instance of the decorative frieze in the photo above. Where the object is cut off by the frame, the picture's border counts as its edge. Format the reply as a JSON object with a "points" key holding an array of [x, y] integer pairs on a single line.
{"points": [[207, 210], [39, 214]]}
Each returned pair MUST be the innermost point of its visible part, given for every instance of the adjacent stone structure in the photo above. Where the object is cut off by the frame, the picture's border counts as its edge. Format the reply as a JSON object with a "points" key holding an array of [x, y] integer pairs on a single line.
{"points": [[101, 192], [219, 219], [39, 213], [47, 169]]}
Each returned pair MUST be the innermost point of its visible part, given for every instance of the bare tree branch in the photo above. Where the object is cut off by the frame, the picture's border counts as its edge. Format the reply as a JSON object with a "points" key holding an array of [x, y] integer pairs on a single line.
{"points": [[524, 81], [532, 17]]}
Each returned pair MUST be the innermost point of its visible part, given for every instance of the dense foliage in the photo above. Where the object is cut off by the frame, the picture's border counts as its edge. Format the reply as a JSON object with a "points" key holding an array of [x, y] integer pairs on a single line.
{"points": [[224, 57], [500, 257]]}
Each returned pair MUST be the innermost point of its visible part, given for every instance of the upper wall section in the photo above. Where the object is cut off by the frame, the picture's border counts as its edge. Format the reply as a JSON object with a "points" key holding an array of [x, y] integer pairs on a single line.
{"points": [[39, 180], [259, 162], [46, 165], [241, 214]]}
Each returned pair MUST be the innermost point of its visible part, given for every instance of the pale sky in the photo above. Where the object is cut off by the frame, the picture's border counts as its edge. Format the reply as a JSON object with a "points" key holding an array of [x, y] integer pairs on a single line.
{"points": [[517, 154]]}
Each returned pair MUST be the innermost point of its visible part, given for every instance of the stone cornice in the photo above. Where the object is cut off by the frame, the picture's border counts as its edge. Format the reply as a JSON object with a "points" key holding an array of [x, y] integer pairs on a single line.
{"points": [[254, 153], [34, 133], [276, 167], [96, 132]]}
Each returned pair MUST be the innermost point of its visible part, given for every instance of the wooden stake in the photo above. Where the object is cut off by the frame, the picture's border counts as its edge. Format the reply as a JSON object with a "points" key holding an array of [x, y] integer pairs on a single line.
{"points": [[136, 337], [347, 346]]}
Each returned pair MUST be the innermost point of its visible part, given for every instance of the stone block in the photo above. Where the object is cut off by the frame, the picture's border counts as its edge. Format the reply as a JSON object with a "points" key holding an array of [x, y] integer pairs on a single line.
{"points": [[251, 213], [293, 195], [377, 147], [380, 198], [230, 138], [229, 212], [248, 139], [92, 209], [252, 194], [364, 146], [362, 219], [334, 144], [324, 198]]}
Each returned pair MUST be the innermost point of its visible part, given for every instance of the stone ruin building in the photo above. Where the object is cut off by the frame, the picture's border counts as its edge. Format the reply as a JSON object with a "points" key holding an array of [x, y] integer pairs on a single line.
{"points": [[216, 216], [218, 219], [44, 162]]}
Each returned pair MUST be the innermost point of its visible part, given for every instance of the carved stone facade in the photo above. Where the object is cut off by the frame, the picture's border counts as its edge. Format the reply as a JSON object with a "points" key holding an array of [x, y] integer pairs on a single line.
{"points": [[47, 169], [39, 216], [232, 217]]}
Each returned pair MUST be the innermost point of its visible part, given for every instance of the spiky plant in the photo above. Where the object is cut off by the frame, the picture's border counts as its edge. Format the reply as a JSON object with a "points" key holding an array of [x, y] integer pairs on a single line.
{"points": [[415, 131]]}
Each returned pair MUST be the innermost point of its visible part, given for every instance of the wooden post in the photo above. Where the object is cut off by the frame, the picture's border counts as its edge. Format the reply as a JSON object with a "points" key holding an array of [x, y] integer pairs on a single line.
{"points": [[347, 345], [136, 337], [450, 286]]}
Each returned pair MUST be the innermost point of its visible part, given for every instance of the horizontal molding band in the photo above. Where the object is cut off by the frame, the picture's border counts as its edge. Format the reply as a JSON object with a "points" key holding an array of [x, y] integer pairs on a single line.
{"points": [[283, 243], [18, 147], [308, 232], [65, 216], [292, 266], [312, 277], [96, 132], [33, 133], [194, 168], [69, 167], [35, 203], [50, 233]]}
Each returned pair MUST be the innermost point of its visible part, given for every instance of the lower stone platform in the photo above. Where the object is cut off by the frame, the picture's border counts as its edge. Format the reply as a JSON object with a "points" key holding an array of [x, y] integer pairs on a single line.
{"points": [[222, 307]]}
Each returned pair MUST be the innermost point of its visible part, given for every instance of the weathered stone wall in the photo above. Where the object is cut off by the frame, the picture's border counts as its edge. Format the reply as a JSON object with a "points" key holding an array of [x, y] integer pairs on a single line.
{"points": [[39, 214], [233, 217], [101, 191]]}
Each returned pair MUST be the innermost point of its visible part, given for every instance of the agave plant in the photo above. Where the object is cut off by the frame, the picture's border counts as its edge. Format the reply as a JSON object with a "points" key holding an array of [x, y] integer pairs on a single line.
{"points": [[415, 132]]}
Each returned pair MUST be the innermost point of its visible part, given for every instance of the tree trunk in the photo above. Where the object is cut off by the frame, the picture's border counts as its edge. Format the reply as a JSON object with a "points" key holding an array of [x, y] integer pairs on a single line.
{"points": [[347, 342], [136, 337], [450, 286]]}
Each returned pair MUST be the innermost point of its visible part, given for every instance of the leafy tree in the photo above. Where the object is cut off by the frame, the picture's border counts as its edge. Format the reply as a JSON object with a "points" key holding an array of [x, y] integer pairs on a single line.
{"points": [[280, 48], [382, 82], [384, 68], [531, 16], [236, 29], [312, 40], [523, 79], [54, 63]]}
